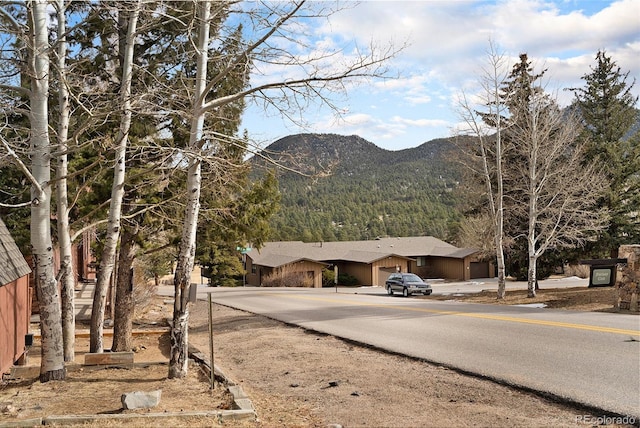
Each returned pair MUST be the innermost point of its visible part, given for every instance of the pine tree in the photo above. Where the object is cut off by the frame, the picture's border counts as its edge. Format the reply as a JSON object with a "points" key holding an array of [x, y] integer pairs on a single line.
{"points": [[607, 108]]}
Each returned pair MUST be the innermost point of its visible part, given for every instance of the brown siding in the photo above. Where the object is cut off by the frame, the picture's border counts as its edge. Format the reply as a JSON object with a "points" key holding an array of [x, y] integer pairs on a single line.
{"points": [[15, 313], [252, 278], [441, 267], [255, 279], [394, 263], [314, 269], [361, 271]]}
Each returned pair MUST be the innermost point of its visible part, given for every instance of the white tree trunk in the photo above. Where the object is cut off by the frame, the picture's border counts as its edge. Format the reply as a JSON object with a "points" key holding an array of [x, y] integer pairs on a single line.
{"points": [[499, 208], [532, 275], [178, 363], [52, 363], [68, 277], [533, 192], [107, 261], [492, 173]]}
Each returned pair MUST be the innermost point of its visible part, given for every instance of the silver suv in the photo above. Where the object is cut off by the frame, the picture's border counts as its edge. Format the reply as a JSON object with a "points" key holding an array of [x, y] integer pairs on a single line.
{"points": [[407, 284]]}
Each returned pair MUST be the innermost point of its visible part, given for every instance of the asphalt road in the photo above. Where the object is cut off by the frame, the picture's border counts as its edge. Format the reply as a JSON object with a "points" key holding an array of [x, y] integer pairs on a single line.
{"points": [[588, 358]]}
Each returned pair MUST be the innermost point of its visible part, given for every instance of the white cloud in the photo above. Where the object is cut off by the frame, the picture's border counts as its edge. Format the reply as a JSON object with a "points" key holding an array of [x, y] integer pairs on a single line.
{"points": [[448, 46]]}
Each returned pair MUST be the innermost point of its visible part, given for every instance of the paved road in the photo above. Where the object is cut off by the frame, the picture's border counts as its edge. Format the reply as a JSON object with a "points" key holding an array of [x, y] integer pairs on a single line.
{"points": [[590, 358]]}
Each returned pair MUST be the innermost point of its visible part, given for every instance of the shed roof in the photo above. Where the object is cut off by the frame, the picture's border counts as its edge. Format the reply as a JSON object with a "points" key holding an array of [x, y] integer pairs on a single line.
{"points": [[357, 251], [13, 264]]}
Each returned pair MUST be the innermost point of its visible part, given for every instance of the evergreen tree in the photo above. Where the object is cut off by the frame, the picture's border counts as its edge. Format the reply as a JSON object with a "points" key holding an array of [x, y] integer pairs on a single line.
{"points": [[607, 108]]}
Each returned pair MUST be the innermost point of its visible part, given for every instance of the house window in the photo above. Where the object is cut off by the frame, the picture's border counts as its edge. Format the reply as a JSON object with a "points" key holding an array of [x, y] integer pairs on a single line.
{"points": [[253, 268], [421, 261]]}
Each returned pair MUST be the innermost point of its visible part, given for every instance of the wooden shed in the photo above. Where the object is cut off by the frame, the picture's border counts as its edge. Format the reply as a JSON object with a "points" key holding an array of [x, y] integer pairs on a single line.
{"points": [[15, 301]]}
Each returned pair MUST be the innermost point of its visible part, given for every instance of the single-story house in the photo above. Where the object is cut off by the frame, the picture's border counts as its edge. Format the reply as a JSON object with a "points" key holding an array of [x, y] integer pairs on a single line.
{"points": [[15, 301], [370, 262]]}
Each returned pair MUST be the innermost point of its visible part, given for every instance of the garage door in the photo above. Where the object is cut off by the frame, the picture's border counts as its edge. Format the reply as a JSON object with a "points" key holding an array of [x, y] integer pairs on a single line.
{"points": [[479, 270], [383, 274]]}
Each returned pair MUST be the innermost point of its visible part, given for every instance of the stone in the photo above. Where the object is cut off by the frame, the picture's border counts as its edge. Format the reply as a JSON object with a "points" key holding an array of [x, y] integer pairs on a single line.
{"points": [[8, 409], [140, 399], [628, 280]]}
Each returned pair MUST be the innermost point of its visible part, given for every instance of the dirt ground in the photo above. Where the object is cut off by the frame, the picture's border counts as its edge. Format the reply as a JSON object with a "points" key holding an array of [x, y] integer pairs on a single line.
{"points": [[297, 378], [597, 299]]}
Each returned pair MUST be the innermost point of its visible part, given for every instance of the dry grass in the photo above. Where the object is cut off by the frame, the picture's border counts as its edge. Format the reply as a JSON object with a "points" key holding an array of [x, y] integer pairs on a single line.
{"points": [[596, 299]]}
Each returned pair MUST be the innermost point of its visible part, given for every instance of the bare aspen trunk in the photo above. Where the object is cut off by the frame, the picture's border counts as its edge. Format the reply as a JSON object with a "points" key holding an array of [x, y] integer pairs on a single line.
{"points": [[533, 218], [124, 306], [531, 276], [178, 363], [501, 268], [52, 363], [492, 172], [500, 229], [107, 261], [68, 278], [499, 209]]}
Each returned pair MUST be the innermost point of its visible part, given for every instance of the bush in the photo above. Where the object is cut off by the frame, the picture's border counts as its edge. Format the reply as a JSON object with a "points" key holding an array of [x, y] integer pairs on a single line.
{"points": [[292, 279], [328, 278], [581, 271], [144, 291], [347, 280]]}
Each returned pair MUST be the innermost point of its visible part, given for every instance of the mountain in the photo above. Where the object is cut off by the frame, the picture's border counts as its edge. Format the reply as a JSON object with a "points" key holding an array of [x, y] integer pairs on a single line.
{"points": [[337, 188]]}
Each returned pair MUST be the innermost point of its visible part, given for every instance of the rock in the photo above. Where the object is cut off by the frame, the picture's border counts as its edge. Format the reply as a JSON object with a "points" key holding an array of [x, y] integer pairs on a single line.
{"points": [[8, 409], [140, 399]]}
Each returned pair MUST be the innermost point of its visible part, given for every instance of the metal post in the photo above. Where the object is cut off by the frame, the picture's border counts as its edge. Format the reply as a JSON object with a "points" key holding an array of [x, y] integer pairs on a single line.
{"points": [[213, 377], [244, 269]]}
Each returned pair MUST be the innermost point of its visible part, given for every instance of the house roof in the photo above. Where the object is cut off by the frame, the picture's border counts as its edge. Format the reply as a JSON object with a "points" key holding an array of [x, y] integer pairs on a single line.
{"points": [[356, 251], [277, 260], [13, 264]]}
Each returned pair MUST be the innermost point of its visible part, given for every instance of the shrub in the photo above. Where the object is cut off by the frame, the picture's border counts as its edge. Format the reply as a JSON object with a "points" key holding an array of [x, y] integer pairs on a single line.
{"points": [[144, 291], [347, 280], [581, 271], [291, 279], [328, 278]]}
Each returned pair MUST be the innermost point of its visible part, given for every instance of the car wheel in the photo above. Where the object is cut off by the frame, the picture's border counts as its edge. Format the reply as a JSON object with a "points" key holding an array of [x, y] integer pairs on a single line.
{"points": [[427, 293], [405, 292], [389, 291]]}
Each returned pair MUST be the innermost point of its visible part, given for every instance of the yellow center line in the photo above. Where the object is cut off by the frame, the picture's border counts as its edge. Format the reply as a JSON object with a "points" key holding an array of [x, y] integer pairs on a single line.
{"points": [[475, 315]]}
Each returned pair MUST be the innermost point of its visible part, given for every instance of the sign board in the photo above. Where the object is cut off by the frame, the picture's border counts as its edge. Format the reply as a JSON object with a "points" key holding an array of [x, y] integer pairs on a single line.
{"points": [[603, 271], [601, 276]]}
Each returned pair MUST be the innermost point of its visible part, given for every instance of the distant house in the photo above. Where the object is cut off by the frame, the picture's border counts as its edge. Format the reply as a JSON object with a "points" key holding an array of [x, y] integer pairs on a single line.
{"points": [[370, 262], [15, 301]]}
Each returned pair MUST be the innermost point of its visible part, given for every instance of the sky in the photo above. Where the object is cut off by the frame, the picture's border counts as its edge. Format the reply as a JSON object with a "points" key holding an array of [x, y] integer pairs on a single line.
{"points": [[447, 47]]}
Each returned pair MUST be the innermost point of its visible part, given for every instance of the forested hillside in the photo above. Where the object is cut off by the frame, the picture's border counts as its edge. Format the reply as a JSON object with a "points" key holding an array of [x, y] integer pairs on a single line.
{"points": [[346, 188]]}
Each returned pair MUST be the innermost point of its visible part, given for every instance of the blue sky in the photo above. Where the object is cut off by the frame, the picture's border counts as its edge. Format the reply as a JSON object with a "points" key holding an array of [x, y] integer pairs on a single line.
{"points": [[447, 47]]}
